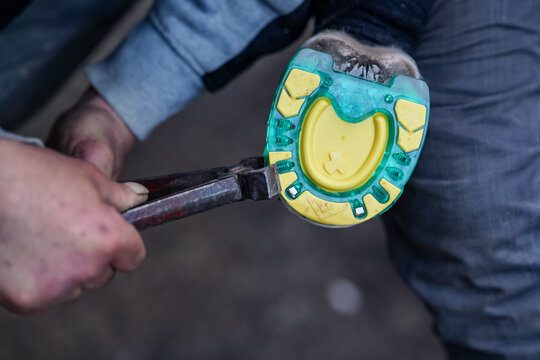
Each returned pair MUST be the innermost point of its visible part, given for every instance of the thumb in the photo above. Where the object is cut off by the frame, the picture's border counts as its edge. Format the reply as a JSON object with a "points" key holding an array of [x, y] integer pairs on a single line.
{"points": [[126, 195]]}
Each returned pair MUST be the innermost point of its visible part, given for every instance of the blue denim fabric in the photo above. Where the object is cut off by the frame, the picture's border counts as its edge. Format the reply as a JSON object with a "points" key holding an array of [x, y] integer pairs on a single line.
{"points": [[181, 41], [466, 232]]}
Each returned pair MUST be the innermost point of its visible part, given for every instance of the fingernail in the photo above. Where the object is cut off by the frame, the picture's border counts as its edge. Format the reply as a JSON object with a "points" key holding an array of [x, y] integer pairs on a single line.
{"points": [[137, 188]]}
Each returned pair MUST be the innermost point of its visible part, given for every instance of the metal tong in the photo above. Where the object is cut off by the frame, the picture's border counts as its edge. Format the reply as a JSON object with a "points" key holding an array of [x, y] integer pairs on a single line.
{"points": [[177, 196]]}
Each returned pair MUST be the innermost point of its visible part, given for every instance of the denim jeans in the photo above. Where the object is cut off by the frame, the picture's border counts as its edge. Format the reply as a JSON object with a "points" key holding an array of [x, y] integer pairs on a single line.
{"points": [[466, 233]]}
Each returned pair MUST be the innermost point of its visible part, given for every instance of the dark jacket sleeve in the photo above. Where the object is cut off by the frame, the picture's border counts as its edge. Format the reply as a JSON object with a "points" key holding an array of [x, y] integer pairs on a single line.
{"points": [[377, 22]]}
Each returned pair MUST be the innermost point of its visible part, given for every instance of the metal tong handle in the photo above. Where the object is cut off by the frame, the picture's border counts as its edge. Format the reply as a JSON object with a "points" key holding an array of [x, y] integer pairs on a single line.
{"points": [[177, 196]]}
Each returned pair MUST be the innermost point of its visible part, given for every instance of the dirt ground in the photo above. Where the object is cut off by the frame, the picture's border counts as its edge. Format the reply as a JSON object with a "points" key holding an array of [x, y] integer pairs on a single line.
{"points": [[246, 281]]}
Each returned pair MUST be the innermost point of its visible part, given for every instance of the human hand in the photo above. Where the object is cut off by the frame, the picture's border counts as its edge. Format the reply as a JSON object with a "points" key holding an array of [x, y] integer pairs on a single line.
{"points": [[60, 227], [93, 131]]}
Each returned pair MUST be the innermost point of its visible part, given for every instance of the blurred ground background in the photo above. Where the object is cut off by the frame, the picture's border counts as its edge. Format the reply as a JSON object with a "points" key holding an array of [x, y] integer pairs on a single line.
{"points": [[247, 281]]}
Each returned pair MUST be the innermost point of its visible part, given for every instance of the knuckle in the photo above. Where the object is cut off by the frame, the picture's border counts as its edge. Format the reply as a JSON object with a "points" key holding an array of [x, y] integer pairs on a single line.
{"points": [[85, 273], [100, 280], [109, 242], [103, 243], [92, 172], [123, 243], [86, 167], [118, 242], [24, 302]]}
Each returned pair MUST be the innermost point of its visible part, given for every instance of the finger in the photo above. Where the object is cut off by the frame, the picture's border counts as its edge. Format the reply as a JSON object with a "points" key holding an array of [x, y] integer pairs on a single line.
{"points": [[71, 295], [130, 252], [96, 152], [12, 307], [101, 280], [123, 196]]}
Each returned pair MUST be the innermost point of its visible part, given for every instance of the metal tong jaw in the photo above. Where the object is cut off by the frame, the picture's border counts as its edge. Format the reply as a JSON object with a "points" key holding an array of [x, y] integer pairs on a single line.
{"points": [[177, 196]]}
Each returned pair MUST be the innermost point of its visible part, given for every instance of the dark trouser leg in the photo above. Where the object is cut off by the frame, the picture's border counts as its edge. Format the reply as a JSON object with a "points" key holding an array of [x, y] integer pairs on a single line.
{"points": [[466, 233]]}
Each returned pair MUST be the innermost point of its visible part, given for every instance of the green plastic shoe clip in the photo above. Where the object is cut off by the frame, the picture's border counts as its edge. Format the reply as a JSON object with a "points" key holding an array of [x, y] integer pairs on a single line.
{"points": [[344, 146]]}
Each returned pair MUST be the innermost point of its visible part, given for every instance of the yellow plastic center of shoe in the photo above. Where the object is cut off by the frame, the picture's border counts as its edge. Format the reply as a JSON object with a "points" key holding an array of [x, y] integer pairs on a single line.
{"points": [[338, 155]]}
